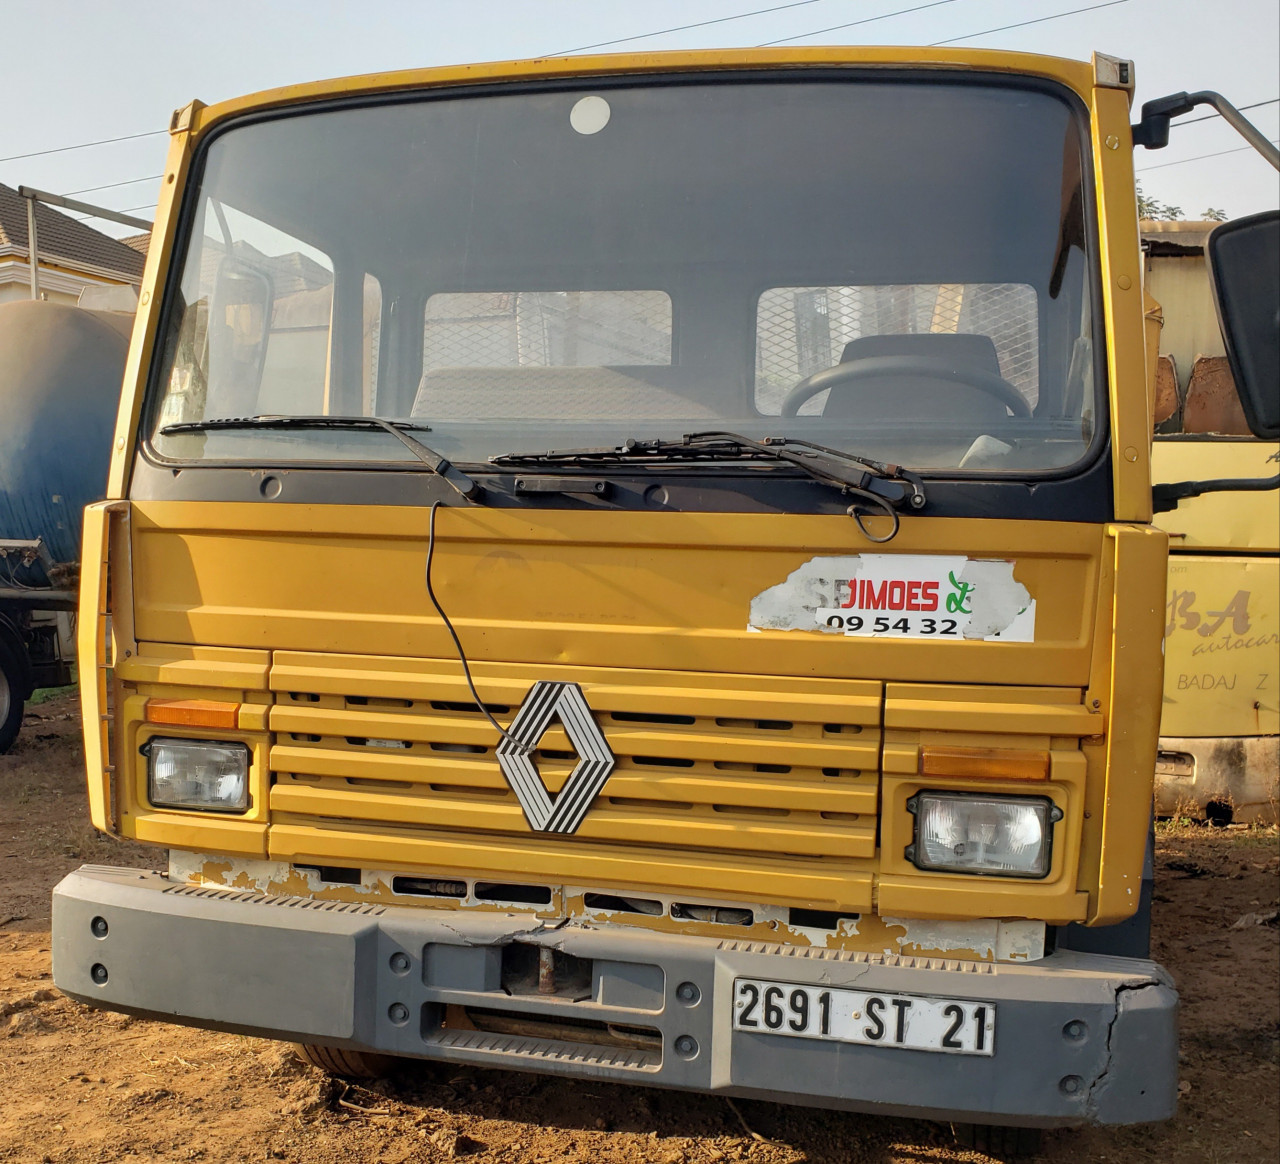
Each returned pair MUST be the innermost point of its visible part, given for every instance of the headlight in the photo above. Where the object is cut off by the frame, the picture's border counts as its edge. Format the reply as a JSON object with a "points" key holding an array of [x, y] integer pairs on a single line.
{"points": [[197, 774], [1010, 836]]}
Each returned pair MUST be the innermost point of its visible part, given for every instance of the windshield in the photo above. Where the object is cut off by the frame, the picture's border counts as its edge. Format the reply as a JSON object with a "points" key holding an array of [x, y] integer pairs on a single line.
{"points": [[893, 266]]}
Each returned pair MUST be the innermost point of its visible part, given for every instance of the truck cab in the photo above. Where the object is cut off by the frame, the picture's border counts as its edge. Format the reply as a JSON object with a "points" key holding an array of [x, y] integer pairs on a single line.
{"points": [[642, 567]]}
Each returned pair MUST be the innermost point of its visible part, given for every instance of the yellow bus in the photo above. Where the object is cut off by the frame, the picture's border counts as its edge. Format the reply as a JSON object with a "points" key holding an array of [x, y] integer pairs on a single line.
{"points": [[642, 568]]}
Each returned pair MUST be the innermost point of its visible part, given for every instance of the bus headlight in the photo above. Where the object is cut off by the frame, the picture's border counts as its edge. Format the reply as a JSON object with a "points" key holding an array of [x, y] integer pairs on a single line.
{"points": [[957, 832], [204, 774]]}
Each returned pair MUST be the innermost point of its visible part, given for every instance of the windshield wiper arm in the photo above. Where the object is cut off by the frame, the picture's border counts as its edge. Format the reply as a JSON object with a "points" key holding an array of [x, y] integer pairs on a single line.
{"points": [[893, 483], [427, 455], [843, 470], [881, 486]]}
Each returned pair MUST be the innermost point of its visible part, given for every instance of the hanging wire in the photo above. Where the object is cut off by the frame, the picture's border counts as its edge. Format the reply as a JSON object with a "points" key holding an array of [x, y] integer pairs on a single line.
{"points": [[683, 27], [523, 748], [855, 23], [1024, 23], [1198, 158], [84, 145]]}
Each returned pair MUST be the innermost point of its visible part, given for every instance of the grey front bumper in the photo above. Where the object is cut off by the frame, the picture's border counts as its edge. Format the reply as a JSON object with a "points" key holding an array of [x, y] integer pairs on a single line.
{"points": [[1080, 1038]]}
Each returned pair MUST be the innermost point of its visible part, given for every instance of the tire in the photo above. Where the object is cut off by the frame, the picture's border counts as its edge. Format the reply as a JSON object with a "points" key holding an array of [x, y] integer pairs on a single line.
{"points": [[346, 1064], [996, 1140], [13, 692]]}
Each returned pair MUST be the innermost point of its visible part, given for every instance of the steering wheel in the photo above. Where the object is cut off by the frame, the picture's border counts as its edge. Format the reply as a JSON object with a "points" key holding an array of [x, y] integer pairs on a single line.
{"points": [[902, 367]]}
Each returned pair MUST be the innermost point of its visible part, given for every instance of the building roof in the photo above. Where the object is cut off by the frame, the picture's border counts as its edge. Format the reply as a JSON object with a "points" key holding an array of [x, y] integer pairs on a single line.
{"points": [[139, 242], [60, 236]]}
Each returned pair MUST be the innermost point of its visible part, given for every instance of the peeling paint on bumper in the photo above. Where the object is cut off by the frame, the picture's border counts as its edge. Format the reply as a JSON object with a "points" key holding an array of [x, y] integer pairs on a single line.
{"points": [[1079, 1038]]}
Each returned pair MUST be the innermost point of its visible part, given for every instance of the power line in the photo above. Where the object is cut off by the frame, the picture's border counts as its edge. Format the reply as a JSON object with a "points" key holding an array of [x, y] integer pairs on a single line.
{"points": [[680, 28], [1024, 23], [129, 210], [113, 185], [855, 23], [1197, 158], [1215, 116], [84, 145], [664, 32], [126, 210]]}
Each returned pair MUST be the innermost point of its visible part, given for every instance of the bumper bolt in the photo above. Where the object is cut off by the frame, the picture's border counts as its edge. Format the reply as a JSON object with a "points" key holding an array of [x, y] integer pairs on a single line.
{"points": [[398, 1013], [688, 993], [1075, 1030], [400, 962], [99, 927], [98, 972], [686, 1046], [1071, 1085]]}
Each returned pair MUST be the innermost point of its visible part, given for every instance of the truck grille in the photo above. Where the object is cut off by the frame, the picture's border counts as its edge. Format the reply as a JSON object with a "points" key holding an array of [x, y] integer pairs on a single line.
{"points": [[706, 764]]}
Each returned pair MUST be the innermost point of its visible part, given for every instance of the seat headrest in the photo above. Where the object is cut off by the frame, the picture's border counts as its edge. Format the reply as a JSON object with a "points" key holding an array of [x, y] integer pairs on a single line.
{"points": [[972, 351]]}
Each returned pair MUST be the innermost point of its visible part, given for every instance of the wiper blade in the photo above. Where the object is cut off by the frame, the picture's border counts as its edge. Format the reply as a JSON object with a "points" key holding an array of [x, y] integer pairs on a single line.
{"points": [[874, 486], [288, 420], [427, 455], [631, 449], [846, 470]]}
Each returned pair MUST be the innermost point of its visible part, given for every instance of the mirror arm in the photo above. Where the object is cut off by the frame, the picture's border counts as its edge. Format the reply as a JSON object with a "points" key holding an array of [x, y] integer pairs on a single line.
{"points": [[1152, 131], [1166, 497]]}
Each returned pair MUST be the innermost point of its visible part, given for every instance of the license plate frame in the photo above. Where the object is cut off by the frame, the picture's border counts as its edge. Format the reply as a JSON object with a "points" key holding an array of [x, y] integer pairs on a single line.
{"points": [[873, 1018]]}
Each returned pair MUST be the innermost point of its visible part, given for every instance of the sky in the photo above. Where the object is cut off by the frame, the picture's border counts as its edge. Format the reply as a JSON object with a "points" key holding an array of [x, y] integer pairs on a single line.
{"points": [[81, 71]]}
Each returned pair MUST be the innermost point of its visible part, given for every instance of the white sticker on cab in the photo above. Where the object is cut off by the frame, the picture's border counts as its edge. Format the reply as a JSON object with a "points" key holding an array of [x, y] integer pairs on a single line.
{"points": [[926, 596]]}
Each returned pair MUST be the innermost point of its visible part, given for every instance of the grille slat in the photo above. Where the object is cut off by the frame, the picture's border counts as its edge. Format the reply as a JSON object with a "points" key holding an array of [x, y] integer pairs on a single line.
{"points": [[798, 790], [704, 740], [734, 766], [703, 827]]}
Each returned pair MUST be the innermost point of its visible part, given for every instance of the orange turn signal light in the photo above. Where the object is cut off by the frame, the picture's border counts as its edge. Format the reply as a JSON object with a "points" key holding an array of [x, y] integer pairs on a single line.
{"points": [[193, 712], [984, 763]]}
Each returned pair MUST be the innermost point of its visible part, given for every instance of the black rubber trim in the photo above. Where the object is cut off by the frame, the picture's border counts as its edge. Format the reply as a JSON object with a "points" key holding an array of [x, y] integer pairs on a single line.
{"points": [[1084, 497]]}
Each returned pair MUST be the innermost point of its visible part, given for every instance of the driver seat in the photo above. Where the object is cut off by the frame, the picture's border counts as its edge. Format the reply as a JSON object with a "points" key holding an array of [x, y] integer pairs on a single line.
{"points": [[891, 398]]}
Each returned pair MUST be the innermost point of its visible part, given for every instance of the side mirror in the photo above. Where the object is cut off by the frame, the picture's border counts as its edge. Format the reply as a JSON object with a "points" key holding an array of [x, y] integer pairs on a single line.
{"points": [[239, 324], [1244, 269]]}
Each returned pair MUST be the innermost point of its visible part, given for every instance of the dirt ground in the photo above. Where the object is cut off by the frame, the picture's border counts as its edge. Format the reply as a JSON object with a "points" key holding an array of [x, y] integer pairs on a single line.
{"points": [[80, 1086]]}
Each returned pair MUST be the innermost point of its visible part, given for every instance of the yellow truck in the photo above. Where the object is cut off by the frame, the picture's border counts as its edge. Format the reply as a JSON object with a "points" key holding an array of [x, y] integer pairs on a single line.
{"points": [[1219, 729], [642, 568], [1221, 720]]}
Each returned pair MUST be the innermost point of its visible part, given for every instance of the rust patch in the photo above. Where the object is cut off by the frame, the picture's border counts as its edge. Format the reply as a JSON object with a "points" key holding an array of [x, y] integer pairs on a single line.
{"points": [[982, 940]]}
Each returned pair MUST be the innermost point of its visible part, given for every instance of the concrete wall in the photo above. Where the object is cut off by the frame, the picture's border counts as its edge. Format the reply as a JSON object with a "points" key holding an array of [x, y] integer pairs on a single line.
{"points": [[12, 291], [59, 282]]}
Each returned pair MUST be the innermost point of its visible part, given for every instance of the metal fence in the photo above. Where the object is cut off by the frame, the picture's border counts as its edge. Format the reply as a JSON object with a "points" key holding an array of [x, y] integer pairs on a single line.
{"points": [[543, 329], [801, 330]]}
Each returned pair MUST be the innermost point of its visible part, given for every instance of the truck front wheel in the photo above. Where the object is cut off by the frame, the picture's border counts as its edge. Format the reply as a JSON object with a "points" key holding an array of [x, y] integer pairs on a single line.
{"points": [[13, 675], [346, 1064], [1001, 1142]]}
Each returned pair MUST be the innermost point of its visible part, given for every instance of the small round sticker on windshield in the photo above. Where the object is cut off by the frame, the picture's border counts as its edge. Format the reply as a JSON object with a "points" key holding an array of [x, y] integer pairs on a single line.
{"points": [[589, 114]]}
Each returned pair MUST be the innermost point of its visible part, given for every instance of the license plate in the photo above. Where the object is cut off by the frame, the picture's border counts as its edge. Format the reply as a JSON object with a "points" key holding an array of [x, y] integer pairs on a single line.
{"points": [[911, 1021]]}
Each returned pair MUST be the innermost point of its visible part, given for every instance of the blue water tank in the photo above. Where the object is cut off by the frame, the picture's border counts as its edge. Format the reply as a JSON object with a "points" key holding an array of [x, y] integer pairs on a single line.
{"points": [[60, 373]]}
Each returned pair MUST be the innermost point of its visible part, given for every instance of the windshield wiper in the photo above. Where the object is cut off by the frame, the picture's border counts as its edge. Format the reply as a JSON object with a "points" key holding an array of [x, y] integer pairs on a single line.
{"points": [[833, 466], [427, 455], [881, 486]]}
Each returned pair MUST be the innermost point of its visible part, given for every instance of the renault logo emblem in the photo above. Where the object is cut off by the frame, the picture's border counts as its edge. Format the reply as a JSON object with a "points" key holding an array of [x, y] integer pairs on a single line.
{"points": [[545, 703]]}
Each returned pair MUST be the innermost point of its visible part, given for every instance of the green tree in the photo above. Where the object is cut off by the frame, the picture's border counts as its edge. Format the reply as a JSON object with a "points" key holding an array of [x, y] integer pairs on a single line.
{"points": [[1153, 208]]}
